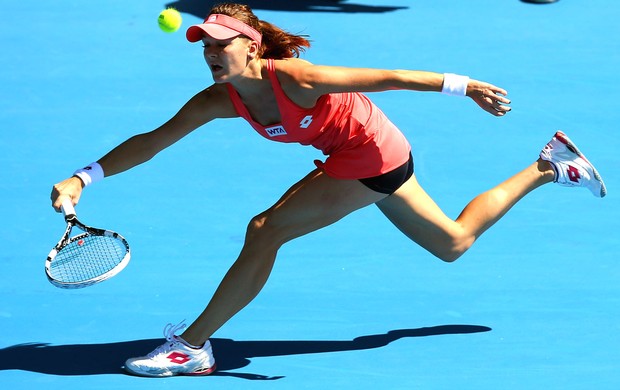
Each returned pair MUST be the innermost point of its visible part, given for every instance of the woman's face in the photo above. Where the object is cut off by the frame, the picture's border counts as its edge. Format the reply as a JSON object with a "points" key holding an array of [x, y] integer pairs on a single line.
{"points": [[227, 59]]}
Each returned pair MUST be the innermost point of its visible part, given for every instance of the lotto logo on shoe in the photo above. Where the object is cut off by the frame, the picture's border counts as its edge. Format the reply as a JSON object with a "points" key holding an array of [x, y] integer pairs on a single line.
{"points": [[275, 131], [573, 174], [178, 358]]}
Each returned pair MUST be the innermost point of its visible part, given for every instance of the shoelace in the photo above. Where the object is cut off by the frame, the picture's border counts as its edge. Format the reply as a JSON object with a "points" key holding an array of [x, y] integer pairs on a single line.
{"points": [[171, 341]]}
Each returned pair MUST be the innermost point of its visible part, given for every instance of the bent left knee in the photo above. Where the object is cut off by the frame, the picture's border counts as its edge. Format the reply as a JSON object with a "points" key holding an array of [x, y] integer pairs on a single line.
{"points": [[264, 229]]}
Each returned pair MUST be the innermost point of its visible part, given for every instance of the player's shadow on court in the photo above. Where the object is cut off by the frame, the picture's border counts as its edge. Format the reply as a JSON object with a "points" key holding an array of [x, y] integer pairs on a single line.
{"points": [[201, 8], [98, 359]]}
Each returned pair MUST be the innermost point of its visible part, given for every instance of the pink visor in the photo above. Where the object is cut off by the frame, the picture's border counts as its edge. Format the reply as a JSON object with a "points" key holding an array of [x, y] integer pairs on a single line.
{"points": [[222, 27]]}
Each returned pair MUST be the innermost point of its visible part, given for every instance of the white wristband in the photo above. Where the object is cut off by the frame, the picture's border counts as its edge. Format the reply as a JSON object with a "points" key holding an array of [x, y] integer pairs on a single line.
{"points": [[90, 174], [454, 84]]}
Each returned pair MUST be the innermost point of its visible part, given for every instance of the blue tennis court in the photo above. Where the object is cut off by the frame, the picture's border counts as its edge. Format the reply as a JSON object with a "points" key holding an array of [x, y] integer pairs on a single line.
{"points": [[533, 305]]}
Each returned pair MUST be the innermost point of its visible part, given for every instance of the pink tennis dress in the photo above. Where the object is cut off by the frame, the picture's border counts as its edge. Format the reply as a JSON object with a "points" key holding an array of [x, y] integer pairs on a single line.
{"points": [[359, 140]]}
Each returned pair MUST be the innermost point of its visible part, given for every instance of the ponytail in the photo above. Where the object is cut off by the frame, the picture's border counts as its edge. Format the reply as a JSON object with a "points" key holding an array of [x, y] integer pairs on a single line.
{"points": [[279, 44]]}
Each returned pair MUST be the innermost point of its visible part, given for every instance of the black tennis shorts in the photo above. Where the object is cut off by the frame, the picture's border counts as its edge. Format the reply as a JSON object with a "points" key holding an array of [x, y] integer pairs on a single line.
{"points": [[389, 182]]}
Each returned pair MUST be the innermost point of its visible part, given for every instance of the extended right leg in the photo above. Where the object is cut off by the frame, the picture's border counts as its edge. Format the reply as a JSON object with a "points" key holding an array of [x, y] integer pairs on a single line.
{"points": [[417, 215], [413, 211]]}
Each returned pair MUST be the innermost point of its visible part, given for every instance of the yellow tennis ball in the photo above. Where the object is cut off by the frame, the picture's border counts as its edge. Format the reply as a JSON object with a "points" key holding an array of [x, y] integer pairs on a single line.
{"points": [[169, 20]]}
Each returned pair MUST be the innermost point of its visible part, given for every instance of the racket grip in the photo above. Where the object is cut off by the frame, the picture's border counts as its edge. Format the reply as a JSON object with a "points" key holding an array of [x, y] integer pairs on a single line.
{"points": [[67, 208]]}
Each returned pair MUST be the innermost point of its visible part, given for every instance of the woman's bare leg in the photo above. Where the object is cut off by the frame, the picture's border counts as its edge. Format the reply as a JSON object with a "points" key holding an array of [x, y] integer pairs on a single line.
{"points": [[417, 215], [318, 201], [313, 203]]}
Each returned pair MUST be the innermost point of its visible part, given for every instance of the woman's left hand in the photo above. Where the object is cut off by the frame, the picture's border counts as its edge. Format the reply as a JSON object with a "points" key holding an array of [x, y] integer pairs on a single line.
{"points": [[490, 98]]}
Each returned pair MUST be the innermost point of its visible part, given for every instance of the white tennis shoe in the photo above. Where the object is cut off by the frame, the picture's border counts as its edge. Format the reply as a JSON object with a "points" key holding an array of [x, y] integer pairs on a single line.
{"points": [[572, 169], [174, 357]]}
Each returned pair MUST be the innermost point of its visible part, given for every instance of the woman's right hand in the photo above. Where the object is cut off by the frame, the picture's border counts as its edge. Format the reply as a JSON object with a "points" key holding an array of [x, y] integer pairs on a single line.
{"points": [[69, 188]]}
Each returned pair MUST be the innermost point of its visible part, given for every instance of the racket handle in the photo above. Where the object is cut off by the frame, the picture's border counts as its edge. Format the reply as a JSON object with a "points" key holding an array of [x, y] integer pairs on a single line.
{"points": [[67, 208]]}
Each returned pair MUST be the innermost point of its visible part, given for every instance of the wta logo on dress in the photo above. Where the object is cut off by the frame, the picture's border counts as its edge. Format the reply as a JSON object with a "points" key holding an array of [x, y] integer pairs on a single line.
{"points": [[275, 131]]}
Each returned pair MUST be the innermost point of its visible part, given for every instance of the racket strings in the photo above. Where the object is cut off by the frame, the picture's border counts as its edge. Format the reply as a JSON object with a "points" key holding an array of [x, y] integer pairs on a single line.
{"points": [[86, 258]]}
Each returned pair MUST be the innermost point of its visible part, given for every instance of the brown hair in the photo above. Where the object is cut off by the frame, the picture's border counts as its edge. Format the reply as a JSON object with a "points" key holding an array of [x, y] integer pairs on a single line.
{"points": [[277, 43]]}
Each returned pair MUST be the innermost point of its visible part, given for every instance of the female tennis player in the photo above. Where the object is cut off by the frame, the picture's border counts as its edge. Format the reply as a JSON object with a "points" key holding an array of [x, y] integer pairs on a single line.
{"points": [[258, 76]]}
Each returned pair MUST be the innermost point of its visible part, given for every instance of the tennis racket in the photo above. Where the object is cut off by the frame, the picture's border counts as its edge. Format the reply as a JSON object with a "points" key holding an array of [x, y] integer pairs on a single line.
{"points": [[90, 257]]}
